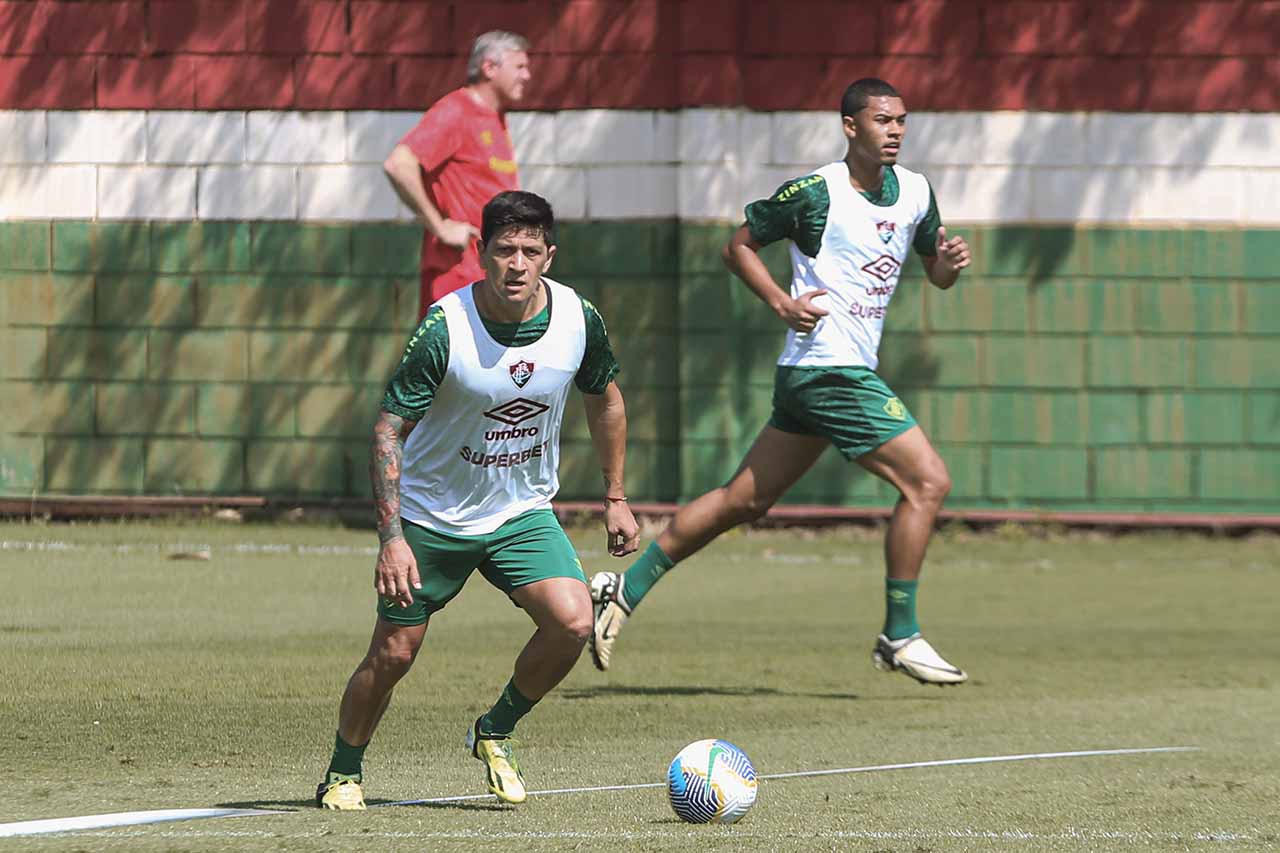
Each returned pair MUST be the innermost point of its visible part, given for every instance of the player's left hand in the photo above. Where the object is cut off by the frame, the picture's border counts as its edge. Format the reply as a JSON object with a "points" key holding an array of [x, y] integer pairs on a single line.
{"points": [[622, 528], [954, 252]]}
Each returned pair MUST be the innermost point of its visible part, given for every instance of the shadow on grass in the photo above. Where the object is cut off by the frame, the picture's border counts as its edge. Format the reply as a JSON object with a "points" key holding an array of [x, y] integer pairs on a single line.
{"points": [[689, 690]]}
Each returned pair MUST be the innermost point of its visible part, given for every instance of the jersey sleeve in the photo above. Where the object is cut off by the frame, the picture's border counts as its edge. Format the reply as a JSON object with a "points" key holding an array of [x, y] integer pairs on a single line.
{"points": [[926, 239], [599, 367], [422, 369], [434, 139], [796, 211]]}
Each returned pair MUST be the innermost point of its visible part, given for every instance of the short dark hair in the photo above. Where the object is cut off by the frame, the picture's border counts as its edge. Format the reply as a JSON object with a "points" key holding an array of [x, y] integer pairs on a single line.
{"points": [[855, 97], [517, 208]]}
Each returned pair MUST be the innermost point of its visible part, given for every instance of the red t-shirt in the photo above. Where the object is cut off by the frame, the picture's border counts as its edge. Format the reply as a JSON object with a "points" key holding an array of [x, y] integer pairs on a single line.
{"points": [[466, 157]]}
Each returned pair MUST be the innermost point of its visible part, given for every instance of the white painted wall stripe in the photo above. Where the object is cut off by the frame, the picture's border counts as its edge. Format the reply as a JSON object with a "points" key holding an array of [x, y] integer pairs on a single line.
{"points": [[988, 167]]}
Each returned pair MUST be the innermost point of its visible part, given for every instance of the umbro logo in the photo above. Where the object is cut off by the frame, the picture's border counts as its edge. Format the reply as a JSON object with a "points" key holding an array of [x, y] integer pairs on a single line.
{"points": [[516, 411]]}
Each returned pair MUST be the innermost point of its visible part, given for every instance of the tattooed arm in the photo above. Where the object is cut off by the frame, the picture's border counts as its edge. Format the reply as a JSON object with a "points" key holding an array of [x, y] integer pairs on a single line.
{"points": [[396, 570]]}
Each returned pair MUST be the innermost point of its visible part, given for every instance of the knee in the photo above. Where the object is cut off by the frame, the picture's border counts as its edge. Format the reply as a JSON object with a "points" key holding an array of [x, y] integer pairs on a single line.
{"points": [[577, 630], [744, 509], [392, 660], [933, 488]]}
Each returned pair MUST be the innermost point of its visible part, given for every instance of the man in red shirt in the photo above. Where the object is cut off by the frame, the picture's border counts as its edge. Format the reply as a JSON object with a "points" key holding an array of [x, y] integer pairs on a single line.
{"points": [[459, 156]]}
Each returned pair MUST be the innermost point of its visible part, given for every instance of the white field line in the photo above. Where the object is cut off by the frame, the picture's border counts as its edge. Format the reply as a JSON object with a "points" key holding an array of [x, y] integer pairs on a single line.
{"points": [[874, 768], [71, 824]]}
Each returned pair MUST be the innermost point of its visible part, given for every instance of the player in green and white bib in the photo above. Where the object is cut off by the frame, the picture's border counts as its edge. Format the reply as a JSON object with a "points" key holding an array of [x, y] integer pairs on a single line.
{"points": [[464, 467], [851, 224]]}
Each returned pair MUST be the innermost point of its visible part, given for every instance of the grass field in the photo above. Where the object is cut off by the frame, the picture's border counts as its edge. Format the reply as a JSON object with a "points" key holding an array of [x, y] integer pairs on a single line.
{"points": [[132, 681]]}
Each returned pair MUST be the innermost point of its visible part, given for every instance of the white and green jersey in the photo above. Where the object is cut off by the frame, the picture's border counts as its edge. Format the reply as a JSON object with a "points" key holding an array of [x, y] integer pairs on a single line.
{"points": [[852, 245], [489, 400]]}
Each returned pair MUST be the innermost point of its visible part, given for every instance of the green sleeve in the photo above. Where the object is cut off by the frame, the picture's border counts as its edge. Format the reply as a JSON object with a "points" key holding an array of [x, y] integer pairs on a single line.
{"points": [[926, 239], [599, 367], [796, 211], [426, 358]]}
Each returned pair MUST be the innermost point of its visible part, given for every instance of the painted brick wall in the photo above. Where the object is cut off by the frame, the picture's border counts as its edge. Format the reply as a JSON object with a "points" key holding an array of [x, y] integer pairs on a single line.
{"points": [[1124, 369], [1136, 55]]}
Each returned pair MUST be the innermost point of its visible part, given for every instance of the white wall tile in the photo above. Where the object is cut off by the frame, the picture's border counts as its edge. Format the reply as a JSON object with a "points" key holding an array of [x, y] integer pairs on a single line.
{"points": [[196, 138], [48, 192], [1262, 201], [806, 139], [247, 192], [709, 191], [623, 191], [97, 136], [563, 186], [1241, 139], [994, 139], [1190, 195], [534, 138], [146, 192], [982, 193], [1083, 194], [297, 137], [708, 136], [371, 134], [586, 137], [755, 138], [666, 130], [355, 192], [22, 136]]}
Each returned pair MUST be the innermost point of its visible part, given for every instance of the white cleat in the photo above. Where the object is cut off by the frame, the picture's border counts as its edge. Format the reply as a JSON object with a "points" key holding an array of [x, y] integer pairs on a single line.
{"points": [[914, 656], [610, 615]]}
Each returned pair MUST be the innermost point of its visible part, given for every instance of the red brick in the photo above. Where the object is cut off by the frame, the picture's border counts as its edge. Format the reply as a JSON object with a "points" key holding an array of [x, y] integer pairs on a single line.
{"points": [[1055, 28], [1012, 82], [787, 84], [812, 27], [297, 26], [146, 83], [709, 80], [559, 83], [382, 27], [1199, 85], [929, 83], [1259, 33], [421, 82], [46, 82], [96, 28], [709, 26], [1145, 27], [543, 22], [1088, 83], [23, 27], [615, 26], [930, 27], [344, 83], [243, 82], [197, 26], [1265, 97], [632, 82]]}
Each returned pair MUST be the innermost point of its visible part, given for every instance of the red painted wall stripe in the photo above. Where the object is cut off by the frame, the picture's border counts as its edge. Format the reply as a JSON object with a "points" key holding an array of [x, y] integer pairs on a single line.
{"points": [[1121, 55]]}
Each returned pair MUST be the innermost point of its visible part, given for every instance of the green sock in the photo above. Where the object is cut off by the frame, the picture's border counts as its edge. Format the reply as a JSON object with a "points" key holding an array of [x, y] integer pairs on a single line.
{"points": [[643, 574], [501, 719], [346, 760], [900, 608]]}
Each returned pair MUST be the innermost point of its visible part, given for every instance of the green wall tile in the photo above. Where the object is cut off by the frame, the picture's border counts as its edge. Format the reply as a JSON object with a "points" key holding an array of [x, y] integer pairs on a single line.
{"points": [[1136, 362], [386, 249], [43, 299], [302, 467], [206, 246], [293, 248], [1036, 362], [1237, 363], [1042, 417], [1260, 252], [1197, 306], [938, 360], [343, 303], [77, 353], [1021, 474], [21, 464], [24, 245], [338, 411], [102, 246], [245, 300], [189, 466], [1083, 305], [47, 408], [93, 465], [1264, 417], [967, 465], [134, 408], [258, 410], [23, 353], [216, 355], [1235, 475], [1262, 306], [1114, 418], [1137, 252], [1140, 474], [993, 305], [1198, 417], [636, 303], [145, 300]]}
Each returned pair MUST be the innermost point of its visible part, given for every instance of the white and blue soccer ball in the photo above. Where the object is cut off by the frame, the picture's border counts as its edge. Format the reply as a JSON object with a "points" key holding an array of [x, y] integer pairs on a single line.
{"points": [[711, 781]]}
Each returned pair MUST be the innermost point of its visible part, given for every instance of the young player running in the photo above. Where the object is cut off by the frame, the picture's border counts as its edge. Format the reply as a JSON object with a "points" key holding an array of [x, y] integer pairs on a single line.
{"points": [[851, 224], [463, 461]]}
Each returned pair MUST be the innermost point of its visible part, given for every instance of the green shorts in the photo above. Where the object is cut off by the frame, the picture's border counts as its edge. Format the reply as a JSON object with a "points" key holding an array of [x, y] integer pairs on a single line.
{"points": [[528, 548], [851, 407]]}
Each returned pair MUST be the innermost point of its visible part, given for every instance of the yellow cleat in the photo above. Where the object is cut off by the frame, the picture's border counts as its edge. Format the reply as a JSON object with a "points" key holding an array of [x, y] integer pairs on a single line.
{"points": [[342, 794], [502, 773]]}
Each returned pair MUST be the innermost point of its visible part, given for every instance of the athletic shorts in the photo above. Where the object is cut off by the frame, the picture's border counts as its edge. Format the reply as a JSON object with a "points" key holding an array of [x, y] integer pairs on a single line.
{"points": [[851, 407], [528, 548]]}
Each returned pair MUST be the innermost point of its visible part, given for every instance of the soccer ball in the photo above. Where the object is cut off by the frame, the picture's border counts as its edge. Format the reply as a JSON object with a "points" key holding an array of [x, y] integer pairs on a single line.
{"points": [[711, 781]]}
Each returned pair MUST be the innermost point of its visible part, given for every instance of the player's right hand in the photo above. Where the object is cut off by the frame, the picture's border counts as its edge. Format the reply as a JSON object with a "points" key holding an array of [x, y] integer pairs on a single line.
{"points": [[457, 235], [801, 314], [396, 575]]}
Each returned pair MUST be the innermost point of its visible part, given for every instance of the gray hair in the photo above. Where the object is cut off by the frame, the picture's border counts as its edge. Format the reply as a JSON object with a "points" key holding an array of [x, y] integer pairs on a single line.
{"points": [[491, 46]]}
